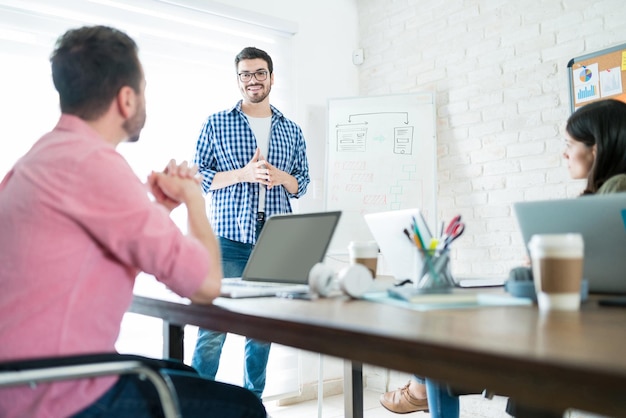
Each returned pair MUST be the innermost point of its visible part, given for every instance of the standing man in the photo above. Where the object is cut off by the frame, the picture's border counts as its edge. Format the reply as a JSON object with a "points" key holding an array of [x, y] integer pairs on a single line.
{"points": [[252, 160], [77, 225]]}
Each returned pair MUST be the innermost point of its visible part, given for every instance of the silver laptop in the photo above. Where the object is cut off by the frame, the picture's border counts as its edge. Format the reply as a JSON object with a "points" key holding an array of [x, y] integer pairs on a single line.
{"points": [[401, 254], [397, 249], [285, 251], [601, 219]]}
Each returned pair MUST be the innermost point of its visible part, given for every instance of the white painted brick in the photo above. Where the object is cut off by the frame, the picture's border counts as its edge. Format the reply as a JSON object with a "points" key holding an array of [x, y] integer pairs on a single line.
{"points": [[540, 162], [499, 26], [590, 26], [488, 183], [557, 175], [498, 112], [505, 196], [502, 224], [479, 49], [466, 172], [516, 93], [495, 57], [557, 52], [454, 188], [466, 146], [522, 122], [489, 239], [525, 149], [599, 8], [539, 133], [453, 161], [452, 109], [485, 128], [605, 39], [473, 254], [564, 21], [494, 153], [514, 253], [501, 138], [526, 179], [465, 118], [514, 36], [539, 11], [470, 200], [531, 104], [535, 45], [462, 16], [557, 191], [499, 72], [501, 167]]}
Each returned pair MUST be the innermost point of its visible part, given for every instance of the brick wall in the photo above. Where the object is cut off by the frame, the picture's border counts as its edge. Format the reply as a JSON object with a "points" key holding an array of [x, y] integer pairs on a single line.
{"points": [[499, 71]]}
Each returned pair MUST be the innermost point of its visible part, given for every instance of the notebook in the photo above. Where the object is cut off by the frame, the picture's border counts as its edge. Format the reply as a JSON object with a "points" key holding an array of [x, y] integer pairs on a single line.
{"points": [[285, 251], [601, 219], [397, 249]]}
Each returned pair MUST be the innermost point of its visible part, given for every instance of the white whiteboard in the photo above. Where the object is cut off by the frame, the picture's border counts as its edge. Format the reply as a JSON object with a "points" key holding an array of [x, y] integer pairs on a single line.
{"points": [[381, 154]]}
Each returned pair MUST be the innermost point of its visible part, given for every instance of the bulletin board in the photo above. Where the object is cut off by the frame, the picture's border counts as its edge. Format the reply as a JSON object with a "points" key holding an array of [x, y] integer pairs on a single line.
{"points": [[596, 76], [381, 156]]}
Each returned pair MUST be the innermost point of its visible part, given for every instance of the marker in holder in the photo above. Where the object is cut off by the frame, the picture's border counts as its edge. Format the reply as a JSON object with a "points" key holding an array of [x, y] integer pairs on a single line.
{"points": [[436, 274]]}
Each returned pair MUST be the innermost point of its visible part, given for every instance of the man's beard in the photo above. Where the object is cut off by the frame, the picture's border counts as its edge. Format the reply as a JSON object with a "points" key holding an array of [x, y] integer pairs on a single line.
{"points": [[259, 98], [134, 125]]}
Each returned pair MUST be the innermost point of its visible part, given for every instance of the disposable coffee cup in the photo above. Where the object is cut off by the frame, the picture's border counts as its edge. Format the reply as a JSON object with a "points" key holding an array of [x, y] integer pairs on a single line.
{"points": [[364, 252], [557, 263]]}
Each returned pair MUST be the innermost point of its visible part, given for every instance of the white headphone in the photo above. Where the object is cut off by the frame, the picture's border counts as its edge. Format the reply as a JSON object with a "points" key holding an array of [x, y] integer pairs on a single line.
{"points": [[354, 280]]}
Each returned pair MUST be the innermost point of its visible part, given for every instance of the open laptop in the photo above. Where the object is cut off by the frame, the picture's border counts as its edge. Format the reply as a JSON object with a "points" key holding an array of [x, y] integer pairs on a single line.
{"points": [[401, 254], [601, 219], [285, 251], [397, 249]]}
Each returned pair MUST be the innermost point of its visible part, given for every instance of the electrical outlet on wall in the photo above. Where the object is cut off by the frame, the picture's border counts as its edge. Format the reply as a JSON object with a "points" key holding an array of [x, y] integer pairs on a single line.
{"points": [[357, 56]]}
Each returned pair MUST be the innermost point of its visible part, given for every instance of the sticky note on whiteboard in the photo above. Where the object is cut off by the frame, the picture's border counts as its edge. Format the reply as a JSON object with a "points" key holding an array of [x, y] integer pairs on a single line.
{"points": [[623, 60]]}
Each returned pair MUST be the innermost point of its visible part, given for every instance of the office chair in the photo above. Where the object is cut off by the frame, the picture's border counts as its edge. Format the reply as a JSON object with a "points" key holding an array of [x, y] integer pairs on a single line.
{"points": [[40, 370]]}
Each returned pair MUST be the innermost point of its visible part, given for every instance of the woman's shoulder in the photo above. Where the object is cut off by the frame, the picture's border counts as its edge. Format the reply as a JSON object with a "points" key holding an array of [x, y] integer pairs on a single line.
{"points": [[615, 184]]}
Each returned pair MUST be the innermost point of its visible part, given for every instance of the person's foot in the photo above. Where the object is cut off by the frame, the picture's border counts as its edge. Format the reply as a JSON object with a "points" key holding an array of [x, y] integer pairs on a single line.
{"points": [[402, 401]]}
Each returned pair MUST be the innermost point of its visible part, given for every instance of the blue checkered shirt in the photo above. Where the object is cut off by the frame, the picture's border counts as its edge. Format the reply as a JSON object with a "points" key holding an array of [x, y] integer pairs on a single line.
{"points": [[226, 143]]}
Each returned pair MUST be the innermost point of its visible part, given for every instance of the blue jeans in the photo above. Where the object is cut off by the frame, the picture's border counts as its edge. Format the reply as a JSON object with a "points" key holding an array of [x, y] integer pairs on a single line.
{"points": [[206, 356], [132, 397], [440, 403]]}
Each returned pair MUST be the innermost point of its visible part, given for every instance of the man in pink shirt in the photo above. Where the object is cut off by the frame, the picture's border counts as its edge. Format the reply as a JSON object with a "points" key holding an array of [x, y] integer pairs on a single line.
{"points": [[77, 225]]}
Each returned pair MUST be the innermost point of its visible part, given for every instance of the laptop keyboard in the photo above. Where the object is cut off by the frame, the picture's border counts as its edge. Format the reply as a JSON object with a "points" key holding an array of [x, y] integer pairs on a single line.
{"points": [[243, 283]]}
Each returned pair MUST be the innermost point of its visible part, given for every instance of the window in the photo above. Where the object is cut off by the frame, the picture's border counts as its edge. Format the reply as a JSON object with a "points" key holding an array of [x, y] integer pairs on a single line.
{"points": [[188, 56], [187, 48]]}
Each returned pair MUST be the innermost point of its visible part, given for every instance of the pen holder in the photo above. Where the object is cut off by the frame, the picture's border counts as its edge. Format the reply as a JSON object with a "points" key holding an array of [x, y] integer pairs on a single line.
{"points": [[436, 272]]}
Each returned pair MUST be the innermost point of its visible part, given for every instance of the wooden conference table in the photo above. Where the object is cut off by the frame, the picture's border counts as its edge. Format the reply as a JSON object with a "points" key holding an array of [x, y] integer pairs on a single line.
{"points": [[551, 361]]}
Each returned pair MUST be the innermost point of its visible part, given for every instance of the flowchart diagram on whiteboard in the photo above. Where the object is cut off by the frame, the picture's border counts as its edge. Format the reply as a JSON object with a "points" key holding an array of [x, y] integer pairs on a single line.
{"points": [[381, 155]]}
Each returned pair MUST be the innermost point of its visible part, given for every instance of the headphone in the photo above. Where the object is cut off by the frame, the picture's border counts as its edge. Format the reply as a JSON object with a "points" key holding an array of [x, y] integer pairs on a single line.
{"points": [[354, 280]]}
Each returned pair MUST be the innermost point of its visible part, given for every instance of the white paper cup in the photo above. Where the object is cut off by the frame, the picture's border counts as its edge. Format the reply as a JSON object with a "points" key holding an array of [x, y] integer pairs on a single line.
{"points": [[364, 252], [557, 262]]}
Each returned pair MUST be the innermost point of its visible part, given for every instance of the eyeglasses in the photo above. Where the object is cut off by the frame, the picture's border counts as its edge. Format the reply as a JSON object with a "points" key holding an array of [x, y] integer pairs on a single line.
{"points": [[258, 75]]}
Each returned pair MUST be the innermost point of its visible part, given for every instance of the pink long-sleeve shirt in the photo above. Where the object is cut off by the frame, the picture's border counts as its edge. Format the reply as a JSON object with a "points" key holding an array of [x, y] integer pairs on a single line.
{"points": [[75, 226]]}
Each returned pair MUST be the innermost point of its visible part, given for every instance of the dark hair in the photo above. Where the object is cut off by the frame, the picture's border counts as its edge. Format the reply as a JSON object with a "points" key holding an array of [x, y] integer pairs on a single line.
{"points": [[603, 124], [250, 53], [89, 67]]}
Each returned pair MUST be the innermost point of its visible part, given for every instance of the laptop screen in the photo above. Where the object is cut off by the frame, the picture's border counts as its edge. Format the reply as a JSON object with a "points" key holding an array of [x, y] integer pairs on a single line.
{"points": [[397, 250], [289, 246], [602, 222]]}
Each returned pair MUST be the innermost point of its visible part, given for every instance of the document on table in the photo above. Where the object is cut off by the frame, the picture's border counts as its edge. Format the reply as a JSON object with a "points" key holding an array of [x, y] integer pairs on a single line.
{"points": [[454, 300]]}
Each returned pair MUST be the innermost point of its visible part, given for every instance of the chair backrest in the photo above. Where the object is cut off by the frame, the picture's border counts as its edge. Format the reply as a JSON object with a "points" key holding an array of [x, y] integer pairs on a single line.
{"points": [[40, 370]]}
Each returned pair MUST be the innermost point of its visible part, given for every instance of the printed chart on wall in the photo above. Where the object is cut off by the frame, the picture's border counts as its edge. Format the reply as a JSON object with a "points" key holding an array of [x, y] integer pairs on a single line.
{"points": [[596, 76], [381, 156]]}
